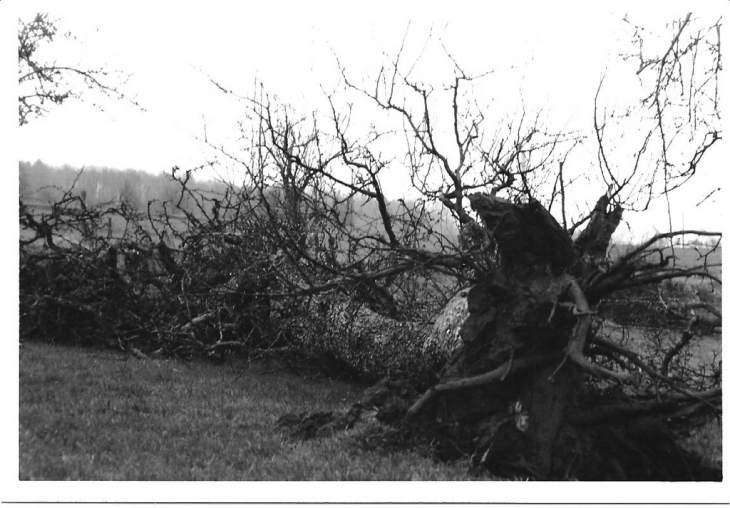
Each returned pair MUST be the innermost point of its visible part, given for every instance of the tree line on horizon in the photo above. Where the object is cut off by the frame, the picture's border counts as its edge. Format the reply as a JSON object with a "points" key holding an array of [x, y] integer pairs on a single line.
{"points": [[41, 182]]}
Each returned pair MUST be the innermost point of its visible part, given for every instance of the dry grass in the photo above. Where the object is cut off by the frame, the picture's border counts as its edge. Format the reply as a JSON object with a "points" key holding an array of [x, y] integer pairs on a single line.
{"points": [[100, 415], [707, 441]]}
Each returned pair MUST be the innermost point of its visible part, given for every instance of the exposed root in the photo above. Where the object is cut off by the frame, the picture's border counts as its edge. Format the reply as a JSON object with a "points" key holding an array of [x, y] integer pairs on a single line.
{"points": [[636, 360], [580, 334], [510, 367]]}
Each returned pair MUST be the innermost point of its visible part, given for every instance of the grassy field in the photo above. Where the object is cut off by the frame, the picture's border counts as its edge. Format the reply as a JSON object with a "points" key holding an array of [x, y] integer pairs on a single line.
{"points": [[100, 415]]}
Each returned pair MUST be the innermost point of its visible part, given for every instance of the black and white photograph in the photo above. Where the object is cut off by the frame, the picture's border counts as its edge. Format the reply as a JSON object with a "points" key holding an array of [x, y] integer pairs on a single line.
{"points": [[464, 251]]}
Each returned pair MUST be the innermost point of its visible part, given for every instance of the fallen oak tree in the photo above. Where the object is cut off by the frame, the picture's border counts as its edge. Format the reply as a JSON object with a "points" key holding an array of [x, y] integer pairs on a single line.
{"points": [[523, 372], [539, 333]]}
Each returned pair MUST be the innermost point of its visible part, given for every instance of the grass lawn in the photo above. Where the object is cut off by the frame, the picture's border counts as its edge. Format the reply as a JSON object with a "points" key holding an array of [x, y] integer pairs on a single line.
{"points": [[100, 415]]}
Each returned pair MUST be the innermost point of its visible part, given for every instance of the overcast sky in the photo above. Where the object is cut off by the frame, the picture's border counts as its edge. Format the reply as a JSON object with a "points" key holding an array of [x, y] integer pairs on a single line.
{"points": [[547, 55]]}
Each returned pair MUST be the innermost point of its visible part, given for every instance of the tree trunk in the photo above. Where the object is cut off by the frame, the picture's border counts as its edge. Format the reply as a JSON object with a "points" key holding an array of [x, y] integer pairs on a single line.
{"points": [[516, 381]]}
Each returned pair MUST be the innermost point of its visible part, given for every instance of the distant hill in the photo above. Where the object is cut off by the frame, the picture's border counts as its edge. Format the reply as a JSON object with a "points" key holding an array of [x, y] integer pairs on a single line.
{"points": [[42, 184]]}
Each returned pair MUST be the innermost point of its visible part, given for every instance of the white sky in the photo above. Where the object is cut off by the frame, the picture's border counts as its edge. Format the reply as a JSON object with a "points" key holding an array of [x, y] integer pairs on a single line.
{"points": [[289, 46], [547, 54]]}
